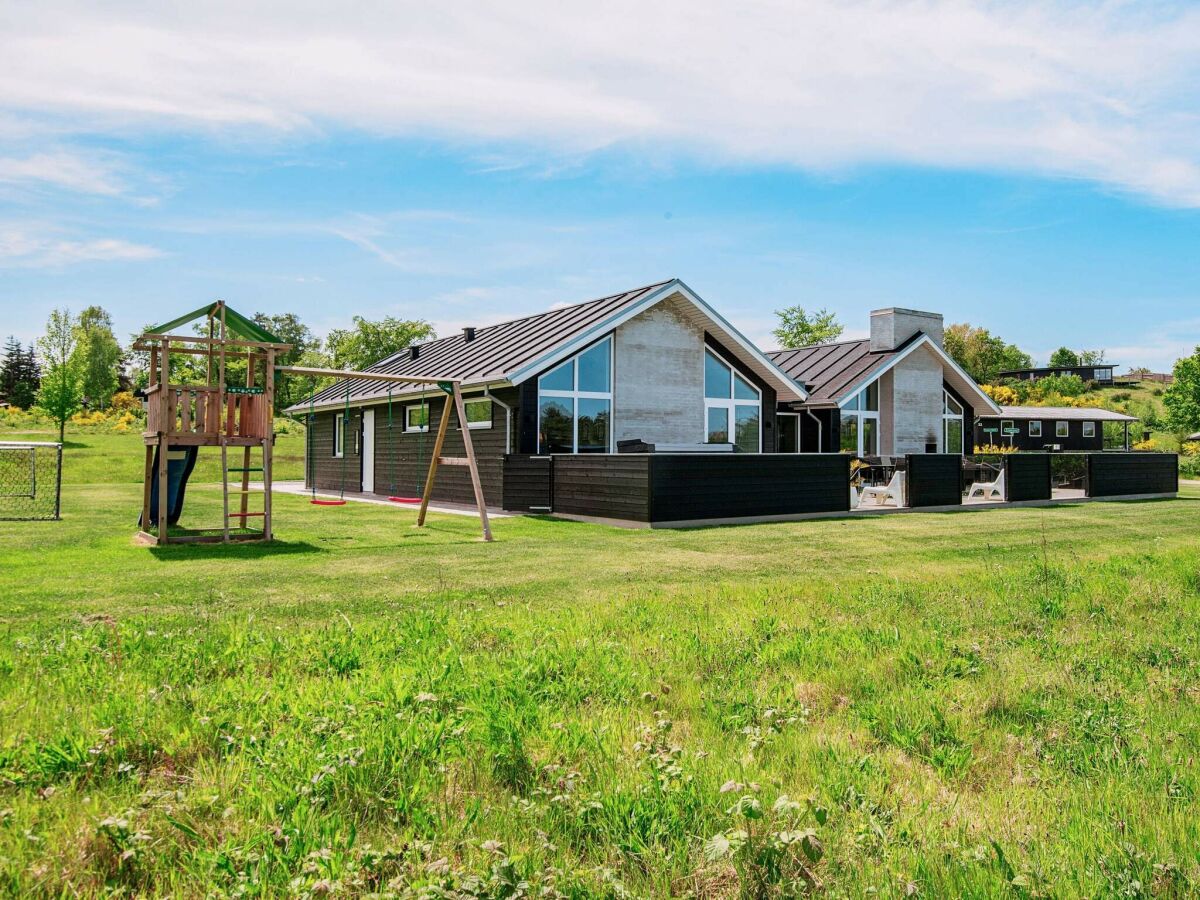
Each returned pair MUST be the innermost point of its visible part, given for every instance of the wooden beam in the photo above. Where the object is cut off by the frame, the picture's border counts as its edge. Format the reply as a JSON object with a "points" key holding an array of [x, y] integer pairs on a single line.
{"points": [[433, 461], [230, 342], [364, 376], [469, 446]]}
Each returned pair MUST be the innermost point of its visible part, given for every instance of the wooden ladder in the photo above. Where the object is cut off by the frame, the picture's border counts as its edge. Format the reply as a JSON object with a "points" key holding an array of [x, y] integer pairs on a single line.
{"points": [[243, 491]]}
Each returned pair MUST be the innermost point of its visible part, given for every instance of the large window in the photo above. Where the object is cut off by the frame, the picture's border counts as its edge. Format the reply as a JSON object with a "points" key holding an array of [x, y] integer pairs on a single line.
{"points": [[732, 407], [952, 424], [575, 403], [860, 422]]}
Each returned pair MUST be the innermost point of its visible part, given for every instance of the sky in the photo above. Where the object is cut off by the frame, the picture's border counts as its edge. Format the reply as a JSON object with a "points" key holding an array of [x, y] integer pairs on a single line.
{"points": [[1033, 168]]}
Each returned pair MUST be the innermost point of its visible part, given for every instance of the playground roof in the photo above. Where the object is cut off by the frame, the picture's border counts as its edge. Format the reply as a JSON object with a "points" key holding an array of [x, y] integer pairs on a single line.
{"points": [[235, 322]]}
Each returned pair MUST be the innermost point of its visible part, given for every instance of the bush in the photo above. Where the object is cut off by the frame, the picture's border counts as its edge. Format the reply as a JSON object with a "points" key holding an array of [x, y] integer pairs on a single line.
{"points": [[1190, 448], [124, 401], [1151, 444], [994, 449]]}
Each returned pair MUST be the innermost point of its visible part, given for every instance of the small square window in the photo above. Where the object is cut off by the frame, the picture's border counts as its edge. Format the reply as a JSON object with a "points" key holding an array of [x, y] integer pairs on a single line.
{"points": [[1035, 429], [1089, 429], [479, 413], [416, 418], [1062, 429]]}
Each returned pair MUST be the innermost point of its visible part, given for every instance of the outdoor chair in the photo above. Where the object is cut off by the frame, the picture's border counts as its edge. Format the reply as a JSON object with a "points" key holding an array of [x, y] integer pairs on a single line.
{"points": [[985, 489], [893, 489]]}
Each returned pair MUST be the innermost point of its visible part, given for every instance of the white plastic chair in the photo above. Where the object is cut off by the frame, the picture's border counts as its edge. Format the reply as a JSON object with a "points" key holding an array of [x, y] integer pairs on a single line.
{"points": [[893, 489], [985, 489]]}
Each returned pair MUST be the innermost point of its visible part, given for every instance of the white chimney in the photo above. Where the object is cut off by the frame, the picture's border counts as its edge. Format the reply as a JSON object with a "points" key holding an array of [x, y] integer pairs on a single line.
{"points": [[893, 326]]}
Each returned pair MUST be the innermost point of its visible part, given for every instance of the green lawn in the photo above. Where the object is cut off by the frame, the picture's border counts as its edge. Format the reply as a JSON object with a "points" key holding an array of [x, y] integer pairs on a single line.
{"points": [[984, 704]]}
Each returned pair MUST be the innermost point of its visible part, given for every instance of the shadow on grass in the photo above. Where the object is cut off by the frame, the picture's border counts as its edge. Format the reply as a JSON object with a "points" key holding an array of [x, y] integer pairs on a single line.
{"points": [[234, 550]]}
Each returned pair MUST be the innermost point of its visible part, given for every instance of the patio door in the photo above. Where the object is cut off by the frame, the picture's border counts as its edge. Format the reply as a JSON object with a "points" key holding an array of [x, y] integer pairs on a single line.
{"points": [[789, 432], [368, 451]]}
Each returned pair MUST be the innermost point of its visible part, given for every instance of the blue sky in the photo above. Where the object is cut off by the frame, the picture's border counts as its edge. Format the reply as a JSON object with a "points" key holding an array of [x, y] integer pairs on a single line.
{"points": [[450, 167]]}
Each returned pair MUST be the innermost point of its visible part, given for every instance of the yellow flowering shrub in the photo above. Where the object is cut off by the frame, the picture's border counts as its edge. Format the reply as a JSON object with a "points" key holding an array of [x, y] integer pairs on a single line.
{"points": [[1190, 448], [994, 449], [1001, 393], [1151, 444]]}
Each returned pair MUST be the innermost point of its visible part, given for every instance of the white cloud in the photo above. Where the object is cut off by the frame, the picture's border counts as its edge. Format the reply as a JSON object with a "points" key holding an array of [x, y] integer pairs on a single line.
{"points": [[34, 248], [62, 169], [1105, 92]]}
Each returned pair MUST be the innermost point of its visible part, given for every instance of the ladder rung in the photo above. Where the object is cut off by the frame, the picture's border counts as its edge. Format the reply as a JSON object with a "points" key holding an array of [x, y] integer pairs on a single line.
{"points": [[246, 515], [453, 461], [232, 469]]}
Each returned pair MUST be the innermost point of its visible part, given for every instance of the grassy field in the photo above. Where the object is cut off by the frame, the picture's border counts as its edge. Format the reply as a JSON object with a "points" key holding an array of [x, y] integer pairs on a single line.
{"points": [[974, 704]]}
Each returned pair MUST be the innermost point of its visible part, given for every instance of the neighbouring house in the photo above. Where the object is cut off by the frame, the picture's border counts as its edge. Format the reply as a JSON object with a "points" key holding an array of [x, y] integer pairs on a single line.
{"points": [[1100, 373], [893, 393], [656, 366], [1064, 428]]}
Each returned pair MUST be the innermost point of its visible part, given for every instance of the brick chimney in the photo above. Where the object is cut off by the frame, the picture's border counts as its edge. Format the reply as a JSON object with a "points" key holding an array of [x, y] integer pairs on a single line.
{"points": [[893, 326]]}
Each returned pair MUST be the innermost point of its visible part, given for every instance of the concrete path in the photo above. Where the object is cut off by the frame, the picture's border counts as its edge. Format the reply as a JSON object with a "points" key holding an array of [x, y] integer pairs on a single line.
{"points": [[456, 509]]}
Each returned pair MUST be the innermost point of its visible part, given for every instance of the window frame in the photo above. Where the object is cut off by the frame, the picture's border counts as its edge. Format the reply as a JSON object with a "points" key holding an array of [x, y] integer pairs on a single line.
{"points": [[855, 406], [575, 395], [948, 402], [1035, 423], [339, 435], [1089, 427], [467, 401], [419, 429], [730, 403], [1062, 428]]}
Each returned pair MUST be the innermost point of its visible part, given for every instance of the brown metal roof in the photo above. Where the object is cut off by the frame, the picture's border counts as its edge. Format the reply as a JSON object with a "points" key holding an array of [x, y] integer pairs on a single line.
{"points": [[829, 371], [495, 351]]}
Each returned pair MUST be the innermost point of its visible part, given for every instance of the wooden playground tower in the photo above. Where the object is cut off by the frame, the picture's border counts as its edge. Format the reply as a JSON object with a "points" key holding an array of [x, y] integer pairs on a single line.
{"points": [[215, 414]]}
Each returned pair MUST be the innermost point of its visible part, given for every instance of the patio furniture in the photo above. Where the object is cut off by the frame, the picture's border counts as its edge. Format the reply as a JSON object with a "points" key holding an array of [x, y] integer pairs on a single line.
{"points": [[893, 489], [985, 489], [853, 497]]}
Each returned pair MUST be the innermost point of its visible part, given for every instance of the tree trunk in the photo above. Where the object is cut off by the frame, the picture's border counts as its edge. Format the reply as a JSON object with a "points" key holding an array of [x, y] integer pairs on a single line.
{"points": [[62, 427]]}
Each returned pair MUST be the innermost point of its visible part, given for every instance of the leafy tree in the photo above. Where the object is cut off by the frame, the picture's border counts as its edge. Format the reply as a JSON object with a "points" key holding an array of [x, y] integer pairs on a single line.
{"points": [[99, 356], [368, 342], [1182, 399], [1064, 356], [61, 391], [983, 355], [19, 375], [1091, 357], [288, 328], [799, 328]]}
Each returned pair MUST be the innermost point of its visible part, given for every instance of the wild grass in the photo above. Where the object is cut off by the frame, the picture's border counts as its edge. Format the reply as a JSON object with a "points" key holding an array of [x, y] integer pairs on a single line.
{"points": [[972, 704]]}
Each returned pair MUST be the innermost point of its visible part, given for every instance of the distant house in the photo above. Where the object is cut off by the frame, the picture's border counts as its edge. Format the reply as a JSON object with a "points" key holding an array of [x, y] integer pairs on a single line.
{"points": [[1101, 373], [1065, 428]]}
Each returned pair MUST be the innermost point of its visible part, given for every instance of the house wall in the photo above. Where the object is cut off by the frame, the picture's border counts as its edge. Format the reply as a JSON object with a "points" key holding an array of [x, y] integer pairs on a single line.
{"points": [[1074, 441], [658, 378], [916, 405], [333, 473]]}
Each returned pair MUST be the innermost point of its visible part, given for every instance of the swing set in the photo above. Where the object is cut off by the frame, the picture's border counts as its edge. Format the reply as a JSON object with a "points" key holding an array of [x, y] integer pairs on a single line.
{"points": [[452, 388]]}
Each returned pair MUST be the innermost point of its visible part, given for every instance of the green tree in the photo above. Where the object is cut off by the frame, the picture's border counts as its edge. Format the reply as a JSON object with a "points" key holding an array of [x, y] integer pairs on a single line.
{"points": [[1064, 356], [368, 342], [1182, 399], [983, 355], [800, 328], [19, 375], [61, 390], [1091, 357], [288, 328], [100, 356]]}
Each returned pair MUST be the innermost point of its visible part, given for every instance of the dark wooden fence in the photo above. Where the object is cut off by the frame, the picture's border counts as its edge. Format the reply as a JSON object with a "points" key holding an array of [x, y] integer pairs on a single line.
{"points": [[1027, 476], [1118, 474], [527, 483], [933, 479], [610, 487]]}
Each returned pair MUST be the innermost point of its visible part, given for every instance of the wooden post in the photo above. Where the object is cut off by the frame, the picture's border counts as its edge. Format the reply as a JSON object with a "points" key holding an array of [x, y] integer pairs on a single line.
{"points": [[145, 522], [268, 443], [469, 447], [433, 461], [224, 434], [245, 504], [164, 442]]}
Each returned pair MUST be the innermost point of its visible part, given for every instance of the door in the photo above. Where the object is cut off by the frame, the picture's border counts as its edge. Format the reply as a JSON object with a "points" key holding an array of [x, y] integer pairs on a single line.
{"points": [[789, 432], [368, 451]]}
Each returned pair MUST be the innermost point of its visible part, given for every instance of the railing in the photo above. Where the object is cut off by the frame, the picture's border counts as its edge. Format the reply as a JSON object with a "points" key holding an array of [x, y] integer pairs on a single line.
{"points": [[200, 411]]}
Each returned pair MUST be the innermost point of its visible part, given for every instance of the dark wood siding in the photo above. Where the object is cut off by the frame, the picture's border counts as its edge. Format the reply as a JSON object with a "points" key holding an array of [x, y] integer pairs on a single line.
{"points": [[1027, 476], [334, 473], [402, 458], [614, 487], [1117, 474], [527, 483], [1074, 441], [933, 479], [727, 486], [968, 419]]}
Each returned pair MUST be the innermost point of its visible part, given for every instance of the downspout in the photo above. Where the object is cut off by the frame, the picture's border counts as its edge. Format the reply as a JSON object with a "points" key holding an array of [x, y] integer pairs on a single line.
{"points": [[820, 442], [507, 418]]}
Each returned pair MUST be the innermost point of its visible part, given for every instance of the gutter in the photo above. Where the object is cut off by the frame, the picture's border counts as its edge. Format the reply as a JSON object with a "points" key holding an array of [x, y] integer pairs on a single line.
{"points": [[508, 411]]}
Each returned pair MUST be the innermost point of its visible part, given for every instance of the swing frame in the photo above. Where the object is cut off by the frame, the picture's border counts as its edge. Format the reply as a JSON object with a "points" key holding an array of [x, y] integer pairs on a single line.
{"points": [[452, 387]]}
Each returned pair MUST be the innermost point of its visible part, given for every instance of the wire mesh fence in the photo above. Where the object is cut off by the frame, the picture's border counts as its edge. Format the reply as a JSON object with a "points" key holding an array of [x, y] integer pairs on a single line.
{"points": [[30, 480]]}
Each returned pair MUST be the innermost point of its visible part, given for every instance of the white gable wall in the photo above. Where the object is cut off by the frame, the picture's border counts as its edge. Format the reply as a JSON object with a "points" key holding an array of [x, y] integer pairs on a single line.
{"points": [[658, 377], [916, 402]]}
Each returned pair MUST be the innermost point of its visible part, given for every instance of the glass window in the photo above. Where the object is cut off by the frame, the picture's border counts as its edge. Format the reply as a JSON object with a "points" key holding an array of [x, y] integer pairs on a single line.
{"points": [[556, 425], [560, 379], [742, 389], [950, 406], [1089, 429], [871, 397], [849, 442], [718, 425], [479, 413], [593, 368], [953, 438], [870, 430], [1062, 429], [1035, 429], [716, 378], [416, 418], [853, 403], [339, 435], [593, 425], [746, 428]]}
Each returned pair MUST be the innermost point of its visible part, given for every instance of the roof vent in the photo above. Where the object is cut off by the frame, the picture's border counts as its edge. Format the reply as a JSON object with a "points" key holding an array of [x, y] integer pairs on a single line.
{"points": [[469, 333], [414, 351]]}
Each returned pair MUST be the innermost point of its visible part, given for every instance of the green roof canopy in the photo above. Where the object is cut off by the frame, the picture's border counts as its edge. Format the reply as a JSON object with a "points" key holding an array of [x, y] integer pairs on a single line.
{"points": [[235, 322]]}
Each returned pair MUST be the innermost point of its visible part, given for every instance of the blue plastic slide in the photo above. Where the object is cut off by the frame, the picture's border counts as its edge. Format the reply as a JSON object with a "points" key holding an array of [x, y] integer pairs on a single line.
{"points": [[180, 463]]}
